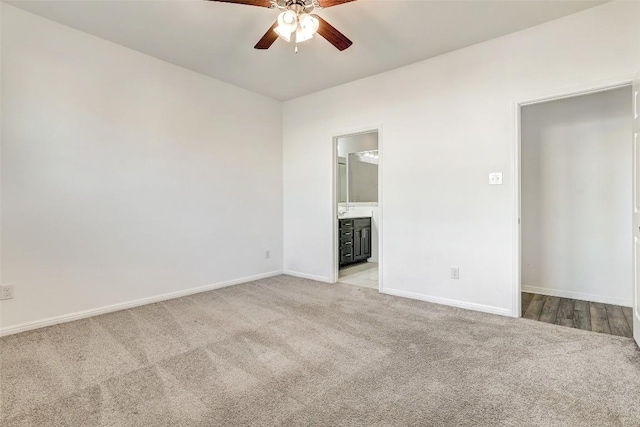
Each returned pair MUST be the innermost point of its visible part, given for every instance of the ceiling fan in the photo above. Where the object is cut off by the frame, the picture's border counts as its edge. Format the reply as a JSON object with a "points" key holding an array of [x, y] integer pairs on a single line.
{"points": [[296, 20]]}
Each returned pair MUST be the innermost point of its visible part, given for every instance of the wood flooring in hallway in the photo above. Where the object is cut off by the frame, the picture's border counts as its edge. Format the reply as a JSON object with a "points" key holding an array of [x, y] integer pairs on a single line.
{"points": [[590, 316]]}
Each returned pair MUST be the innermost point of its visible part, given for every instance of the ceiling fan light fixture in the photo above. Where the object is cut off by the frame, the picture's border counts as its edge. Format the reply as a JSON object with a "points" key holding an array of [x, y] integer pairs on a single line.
{"points": [[288, 17], [307, 27], [302, 35], [283, 33], [296, 16], [309, 23], [287, 23]]}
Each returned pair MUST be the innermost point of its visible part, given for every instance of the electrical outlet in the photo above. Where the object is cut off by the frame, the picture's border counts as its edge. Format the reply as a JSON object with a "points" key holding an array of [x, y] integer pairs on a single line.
{"points": [[455, 273], [6, 292], [267, 254], [495, 178]]}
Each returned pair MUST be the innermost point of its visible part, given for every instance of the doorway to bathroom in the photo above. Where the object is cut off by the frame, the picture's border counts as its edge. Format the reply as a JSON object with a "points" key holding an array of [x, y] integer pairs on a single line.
{"points": [[357, 214]]}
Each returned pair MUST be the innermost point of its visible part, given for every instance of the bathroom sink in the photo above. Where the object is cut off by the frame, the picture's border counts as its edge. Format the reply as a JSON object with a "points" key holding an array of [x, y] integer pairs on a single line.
{"points": [[356, 214]]}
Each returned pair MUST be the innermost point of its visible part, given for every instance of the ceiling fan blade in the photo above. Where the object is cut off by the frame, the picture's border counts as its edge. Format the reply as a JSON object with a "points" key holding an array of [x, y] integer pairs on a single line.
{"points": [[333, 36], [330, 3], [260, 3], [269, 37]]}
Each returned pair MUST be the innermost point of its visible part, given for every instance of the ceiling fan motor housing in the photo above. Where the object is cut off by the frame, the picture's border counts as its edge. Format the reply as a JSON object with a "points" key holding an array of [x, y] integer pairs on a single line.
{"points": [[298, 6]]}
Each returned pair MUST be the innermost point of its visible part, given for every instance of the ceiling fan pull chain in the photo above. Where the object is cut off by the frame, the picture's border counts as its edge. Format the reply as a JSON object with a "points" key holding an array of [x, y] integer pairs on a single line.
{"points": [[296, 50]]}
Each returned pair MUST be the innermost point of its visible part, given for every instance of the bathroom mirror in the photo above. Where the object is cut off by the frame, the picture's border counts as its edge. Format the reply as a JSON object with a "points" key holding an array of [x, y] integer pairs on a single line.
{"points": [[342, 180], [357, 169], [363, 177]]}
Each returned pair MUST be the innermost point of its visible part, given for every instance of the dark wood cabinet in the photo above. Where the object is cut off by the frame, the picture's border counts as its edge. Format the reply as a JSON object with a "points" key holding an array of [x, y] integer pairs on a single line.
{"points": [[355, 240]]}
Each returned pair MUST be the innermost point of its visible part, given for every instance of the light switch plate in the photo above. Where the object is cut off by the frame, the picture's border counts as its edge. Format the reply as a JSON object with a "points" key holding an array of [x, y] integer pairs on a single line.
{"points": [[495, 178]]}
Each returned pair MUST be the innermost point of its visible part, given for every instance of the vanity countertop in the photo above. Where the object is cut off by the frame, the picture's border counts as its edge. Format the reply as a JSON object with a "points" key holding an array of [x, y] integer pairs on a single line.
{"points": [[354, 216]]}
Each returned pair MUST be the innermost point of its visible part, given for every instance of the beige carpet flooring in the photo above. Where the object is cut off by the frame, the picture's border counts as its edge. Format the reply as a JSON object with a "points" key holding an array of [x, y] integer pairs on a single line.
{"points": [[293, 352]]}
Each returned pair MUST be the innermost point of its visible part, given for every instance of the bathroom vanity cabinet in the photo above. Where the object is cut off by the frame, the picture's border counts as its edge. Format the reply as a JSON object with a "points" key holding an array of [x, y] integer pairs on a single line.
{"points": [[355, 240]]}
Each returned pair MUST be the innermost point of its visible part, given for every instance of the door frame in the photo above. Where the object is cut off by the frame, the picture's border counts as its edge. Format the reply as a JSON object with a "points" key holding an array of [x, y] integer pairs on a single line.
{"points": [[335, 241], [587, 89]]}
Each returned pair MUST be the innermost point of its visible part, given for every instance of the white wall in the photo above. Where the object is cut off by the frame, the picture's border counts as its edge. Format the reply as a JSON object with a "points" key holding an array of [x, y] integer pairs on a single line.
{"points": [[576, 197], [125, 177], [446, 124]]}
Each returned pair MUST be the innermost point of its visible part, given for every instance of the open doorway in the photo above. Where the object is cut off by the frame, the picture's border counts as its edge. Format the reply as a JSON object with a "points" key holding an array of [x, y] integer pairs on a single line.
{"points": [[576, 177], [357, 209]]}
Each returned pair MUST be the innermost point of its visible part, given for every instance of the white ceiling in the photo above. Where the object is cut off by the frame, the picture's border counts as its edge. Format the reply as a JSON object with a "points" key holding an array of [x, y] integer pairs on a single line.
{"points": [[217, 39]]}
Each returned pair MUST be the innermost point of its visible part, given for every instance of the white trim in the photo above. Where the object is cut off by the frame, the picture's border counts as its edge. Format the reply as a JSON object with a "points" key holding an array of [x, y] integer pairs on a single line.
{"points": [[516, 148], [578, 90], [380, 206], [517, 259], [450, 302], [576, 295], [308, 276], [129, 304], [334, 210]]}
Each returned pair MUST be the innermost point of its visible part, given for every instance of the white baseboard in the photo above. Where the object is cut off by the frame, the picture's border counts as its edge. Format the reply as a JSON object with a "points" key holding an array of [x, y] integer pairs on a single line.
{"points": [[307, 276], [129, 304], [577, 295], [451, 302]]}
